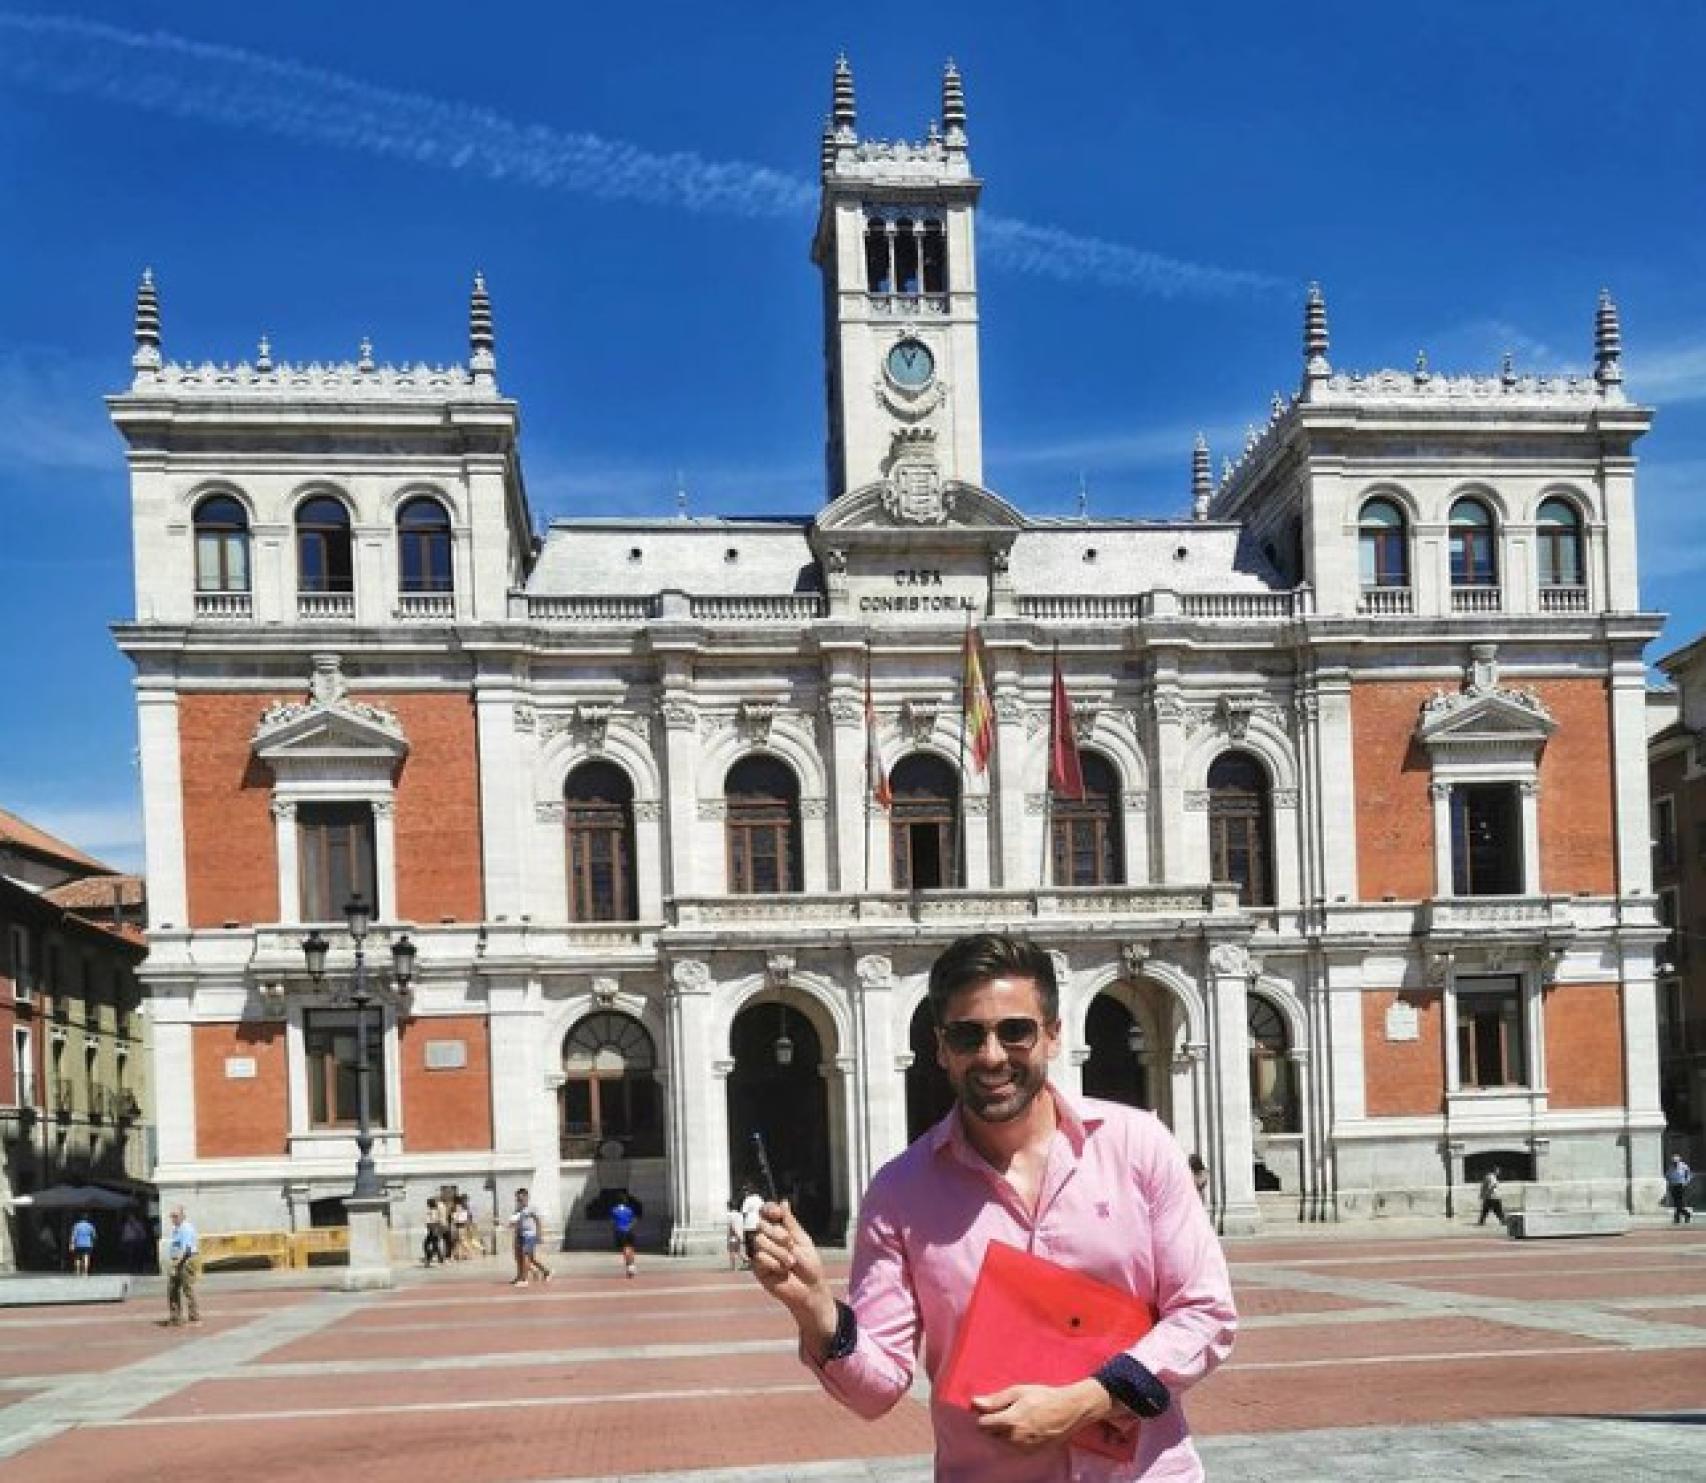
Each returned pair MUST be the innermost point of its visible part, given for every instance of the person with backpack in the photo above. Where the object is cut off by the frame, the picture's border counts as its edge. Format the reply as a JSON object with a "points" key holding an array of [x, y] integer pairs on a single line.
{"points": [[623, 1218]]}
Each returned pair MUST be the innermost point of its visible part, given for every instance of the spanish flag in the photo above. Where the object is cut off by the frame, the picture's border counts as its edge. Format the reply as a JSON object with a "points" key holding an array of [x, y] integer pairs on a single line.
{"points": [[978, 712]]}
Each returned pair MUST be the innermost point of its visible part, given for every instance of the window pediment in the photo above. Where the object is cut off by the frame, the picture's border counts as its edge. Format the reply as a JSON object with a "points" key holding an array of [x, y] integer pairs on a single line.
{"points": [[1485, 718], [329, 727]]}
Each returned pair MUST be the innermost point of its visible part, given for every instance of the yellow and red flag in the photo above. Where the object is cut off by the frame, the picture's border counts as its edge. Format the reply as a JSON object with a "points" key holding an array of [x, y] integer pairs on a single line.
{"points": [[979, 711]]}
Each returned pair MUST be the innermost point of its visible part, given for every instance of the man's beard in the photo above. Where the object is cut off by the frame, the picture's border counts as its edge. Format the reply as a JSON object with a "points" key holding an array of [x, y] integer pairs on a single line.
{"points": [[1004, 1103]]}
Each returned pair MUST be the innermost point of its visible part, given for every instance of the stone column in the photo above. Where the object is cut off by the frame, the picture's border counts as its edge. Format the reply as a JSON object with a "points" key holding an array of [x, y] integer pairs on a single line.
{"points": [[698, 1113], [505, 780], [1008, 786], [681, 751], [1229, 972], [847, 789], [158, 750], [879, 1090], [1168, 785]]}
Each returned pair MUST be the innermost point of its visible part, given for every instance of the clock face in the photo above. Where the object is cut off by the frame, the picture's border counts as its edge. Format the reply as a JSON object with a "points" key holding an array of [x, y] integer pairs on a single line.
{"points": [[910, 364]]}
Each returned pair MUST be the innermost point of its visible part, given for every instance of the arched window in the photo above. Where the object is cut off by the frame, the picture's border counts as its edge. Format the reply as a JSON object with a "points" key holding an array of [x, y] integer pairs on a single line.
{"points": [[1088, 850], [221, 545], [1273, 1077], [610, 1088], [423, 547], [599, 810], [763, 827], [924, 824], [1559, 539], [323, 561], [1239, 828], [1116, 1069], [1474, 545], [1383, 542]]}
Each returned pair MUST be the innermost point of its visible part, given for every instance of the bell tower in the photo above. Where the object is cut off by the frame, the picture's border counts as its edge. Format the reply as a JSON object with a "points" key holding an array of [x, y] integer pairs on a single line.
{"points": [[895, 245]]}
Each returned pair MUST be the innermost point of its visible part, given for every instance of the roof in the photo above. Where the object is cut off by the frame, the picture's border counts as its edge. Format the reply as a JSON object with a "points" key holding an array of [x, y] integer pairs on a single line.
{"points": [[97, 893], [20, 834]]}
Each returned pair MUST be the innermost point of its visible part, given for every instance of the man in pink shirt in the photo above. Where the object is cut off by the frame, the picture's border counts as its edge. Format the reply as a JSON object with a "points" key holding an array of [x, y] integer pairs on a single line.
{"points": [[1096, 1187]]}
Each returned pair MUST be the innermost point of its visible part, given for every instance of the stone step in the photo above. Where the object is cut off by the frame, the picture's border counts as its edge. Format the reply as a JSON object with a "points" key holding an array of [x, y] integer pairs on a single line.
{"points": [[1527, 1225], [45, 1291]]}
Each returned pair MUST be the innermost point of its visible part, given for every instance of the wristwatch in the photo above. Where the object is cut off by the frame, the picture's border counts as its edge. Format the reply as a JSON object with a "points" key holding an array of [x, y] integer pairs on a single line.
{"points": [[1134, 1386], [846, 1337]]}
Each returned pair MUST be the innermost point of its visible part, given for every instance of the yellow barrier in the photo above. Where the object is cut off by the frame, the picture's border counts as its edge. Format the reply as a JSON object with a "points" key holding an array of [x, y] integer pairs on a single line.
{"points": [[318, 1241], [271, 1247]]}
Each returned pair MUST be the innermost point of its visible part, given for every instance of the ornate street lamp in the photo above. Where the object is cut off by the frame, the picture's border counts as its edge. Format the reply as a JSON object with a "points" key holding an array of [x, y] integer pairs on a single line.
{"points": [[358, 917]]}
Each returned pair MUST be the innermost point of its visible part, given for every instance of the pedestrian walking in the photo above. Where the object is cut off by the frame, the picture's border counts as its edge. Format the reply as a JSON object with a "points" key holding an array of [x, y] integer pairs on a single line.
{"points": [[464, 1239], [1491, 1202], [1677, 1180], [1199, 1176], [82, 1244], [525, 1221], [133, 1242], [435, 1246], [623, 1218], [1017, 1161], [736, 1237], [751, 1208], [183, 1270]]}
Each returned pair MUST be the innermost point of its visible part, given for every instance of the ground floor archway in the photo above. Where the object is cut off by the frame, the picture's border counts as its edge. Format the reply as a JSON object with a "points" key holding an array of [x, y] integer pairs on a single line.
{"points": [[777, 1089]]}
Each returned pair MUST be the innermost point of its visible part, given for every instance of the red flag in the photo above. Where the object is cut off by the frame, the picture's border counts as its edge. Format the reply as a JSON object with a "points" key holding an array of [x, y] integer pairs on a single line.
{"points": [[1065, 771], [979, 711], [876, 776]]}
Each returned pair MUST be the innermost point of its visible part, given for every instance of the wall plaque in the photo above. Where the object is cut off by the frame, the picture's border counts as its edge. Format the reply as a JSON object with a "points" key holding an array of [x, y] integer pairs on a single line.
{"points": [[446, 1055]]}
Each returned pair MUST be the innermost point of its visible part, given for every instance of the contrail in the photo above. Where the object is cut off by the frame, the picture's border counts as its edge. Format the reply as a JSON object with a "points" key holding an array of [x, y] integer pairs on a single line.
{"points": [[162, 73]]}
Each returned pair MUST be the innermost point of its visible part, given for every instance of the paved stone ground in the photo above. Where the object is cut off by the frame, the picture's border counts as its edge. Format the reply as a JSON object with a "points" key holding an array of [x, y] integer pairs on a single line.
{"points": [[1459, 1356]]}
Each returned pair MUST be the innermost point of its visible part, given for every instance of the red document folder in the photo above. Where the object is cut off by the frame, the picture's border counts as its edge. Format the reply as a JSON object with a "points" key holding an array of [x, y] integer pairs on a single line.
{"points": [[1033, 1322]]}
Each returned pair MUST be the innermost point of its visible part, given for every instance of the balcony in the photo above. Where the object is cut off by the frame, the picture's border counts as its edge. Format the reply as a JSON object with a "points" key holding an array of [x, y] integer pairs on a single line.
{"points": [[1472, 920], [1477, 599], [224, 607], [784, 607], [425, 607], [325, 607], [64, 1097], [1386, 602], [1083, 607], [590, 608], [1563, 599]]}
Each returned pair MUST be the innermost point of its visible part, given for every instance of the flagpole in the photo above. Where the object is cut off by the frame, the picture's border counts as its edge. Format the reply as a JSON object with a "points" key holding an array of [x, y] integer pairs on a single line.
{"points": [[965, 723], [870, 781], [1048, 780]]}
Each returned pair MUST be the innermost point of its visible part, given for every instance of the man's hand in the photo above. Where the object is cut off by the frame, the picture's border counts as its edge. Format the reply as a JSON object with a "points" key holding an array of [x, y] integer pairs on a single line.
{"points": [[1031, 1417], [786, 1262]]}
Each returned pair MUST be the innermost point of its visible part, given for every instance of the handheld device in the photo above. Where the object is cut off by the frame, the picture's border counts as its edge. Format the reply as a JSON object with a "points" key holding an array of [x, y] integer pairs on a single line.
{"points": [[764, 1173]]}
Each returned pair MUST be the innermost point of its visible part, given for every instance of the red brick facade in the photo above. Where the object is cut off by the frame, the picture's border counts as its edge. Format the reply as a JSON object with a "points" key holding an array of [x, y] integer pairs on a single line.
{"points": [[230, 858], [1584, 1046], [1404, 1078], [240, 1117], [1394, 817], [447, 1110]]}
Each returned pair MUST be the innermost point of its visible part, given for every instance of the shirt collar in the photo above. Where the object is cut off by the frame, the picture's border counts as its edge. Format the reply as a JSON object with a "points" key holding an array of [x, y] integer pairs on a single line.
{"points": [[1074, 1119]]}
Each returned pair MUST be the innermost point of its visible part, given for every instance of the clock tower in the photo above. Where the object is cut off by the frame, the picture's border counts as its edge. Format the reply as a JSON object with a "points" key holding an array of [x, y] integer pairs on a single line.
{"points": [[895, 245]]}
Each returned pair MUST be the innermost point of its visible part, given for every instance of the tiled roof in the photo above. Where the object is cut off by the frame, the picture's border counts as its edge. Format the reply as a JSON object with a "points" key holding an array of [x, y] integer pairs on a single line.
{"points": [[24, 835], [95, 893]]}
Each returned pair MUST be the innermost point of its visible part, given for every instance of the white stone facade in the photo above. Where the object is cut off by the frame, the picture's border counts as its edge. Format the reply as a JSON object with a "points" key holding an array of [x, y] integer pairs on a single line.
{"points": [[675, 649]]}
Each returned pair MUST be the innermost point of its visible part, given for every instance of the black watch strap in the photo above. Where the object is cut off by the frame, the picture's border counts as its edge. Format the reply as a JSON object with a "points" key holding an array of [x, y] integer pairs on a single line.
{"points": [[1134, 1386], [846, 1337]]}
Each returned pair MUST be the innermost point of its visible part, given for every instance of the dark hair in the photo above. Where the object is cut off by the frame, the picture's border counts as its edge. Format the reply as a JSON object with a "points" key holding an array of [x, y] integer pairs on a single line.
{"points": [[985, 955]]}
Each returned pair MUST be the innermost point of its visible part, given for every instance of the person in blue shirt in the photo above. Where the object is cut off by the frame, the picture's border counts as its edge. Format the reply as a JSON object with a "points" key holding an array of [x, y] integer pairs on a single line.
{"points": [[82, 1244], [183, 1267], [623, 1218]]}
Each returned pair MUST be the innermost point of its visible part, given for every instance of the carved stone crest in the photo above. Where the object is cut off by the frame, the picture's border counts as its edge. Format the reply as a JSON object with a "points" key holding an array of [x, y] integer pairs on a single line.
{"points": [[691, 975], [779, 970], [873, 971], [1134, 958], [919, 718], [1230, 960], [914, 494], [605, 989], [592, 722], [755, 718]]}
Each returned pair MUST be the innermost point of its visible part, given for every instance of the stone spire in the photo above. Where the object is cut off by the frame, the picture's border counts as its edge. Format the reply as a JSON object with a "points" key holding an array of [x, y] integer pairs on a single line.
{"points": [[953, 106], [145, 359], [1202, 485], [1608, 347], [826, 150], [843, 114], [1315, 367], [482, 343]]}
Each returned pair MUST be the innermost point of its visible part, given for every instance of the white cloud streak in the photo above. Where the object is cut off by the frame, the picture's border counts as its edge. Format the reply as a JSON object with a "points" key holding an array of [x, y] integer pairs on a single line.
{"points": [[159, 72], [1677, 374], [49, 420]]}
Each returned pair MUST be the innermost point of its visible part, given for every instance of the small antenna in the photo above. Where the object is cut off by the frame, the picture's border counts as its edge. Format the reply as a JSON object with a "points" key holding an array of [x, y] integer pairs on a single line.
{"points": [[680, 495], [1083, 496]]}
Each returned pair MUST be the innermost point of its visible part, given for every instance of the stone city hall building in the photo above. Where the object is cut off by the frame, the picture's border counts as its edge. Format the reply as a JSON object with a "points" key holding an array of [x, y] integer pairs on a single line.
{"points": [[679, 811]]}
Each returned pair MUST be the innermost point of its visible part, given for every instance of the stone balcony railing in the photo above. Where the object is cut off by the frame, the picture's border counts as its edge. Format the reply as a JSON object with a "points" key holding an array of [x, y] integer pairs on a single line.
{"points": [[1386, 602], [425, 607], [1563, 599], [1112, 904], [224, 607], [1477, 600], [325, 607], [1472, 916]]}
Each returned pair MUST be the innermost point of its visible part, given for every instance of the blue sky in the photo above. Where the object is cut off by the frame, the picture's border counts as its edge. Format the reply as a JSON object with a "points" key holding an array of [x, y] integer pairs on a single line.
{"points": [[637, 181]]}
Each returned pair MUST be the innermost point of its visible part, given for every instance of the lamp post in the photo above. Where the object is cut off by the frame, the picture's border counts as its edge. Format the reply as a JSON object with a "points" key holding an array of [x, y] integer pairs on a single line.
{"points": [[358, 917]]}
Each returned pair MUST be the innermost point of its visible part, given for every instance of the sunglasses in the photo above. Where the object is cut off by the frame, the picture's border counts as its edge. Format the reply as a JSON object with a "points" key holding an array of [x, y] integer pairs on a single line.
{"points": [[966, 1037]]}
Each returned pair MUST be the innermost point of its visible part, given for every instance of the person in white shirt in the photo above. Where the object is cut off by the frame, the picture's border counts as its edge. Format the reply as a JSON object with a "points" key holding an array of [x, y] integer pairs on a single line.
{"points": [[750, 1206]]}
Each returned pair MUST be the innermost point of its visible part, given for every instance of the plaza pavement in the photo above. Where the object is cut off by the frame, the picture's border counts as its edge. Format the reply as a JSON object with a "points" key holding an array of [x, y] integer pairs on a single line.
{"points": [[1452, 1356]]}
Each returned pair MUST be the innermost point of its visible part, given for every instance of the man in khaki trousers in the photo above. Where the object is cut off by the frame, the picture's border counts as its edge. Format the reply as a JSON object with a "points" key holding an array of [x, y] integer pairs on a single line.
{"points": [[183, 1267]]}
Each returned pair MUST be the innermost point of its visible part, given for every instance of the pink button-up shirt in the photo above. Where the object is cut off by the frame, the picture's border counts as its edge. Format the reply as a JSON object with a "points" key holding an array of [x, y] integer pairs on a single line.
{"points": [[1117, 1202]]}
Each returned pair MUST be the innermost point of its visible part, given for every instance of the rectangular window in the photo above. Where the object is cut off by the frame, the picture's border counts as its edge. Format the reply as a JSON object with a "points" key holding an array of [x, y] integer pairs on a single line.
{"points": [[1486, 840], [23, 1069], [329, 1040], [335, 858], [21, 963], [1491, 1049], [1664, 834]]}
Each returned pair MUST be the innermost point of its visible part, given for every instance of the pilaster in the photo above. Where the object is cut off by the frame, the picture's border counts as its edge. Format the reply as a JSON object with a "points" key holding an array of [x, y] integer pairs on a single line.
{"points": [[159, 749], [1234, 1179]]}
